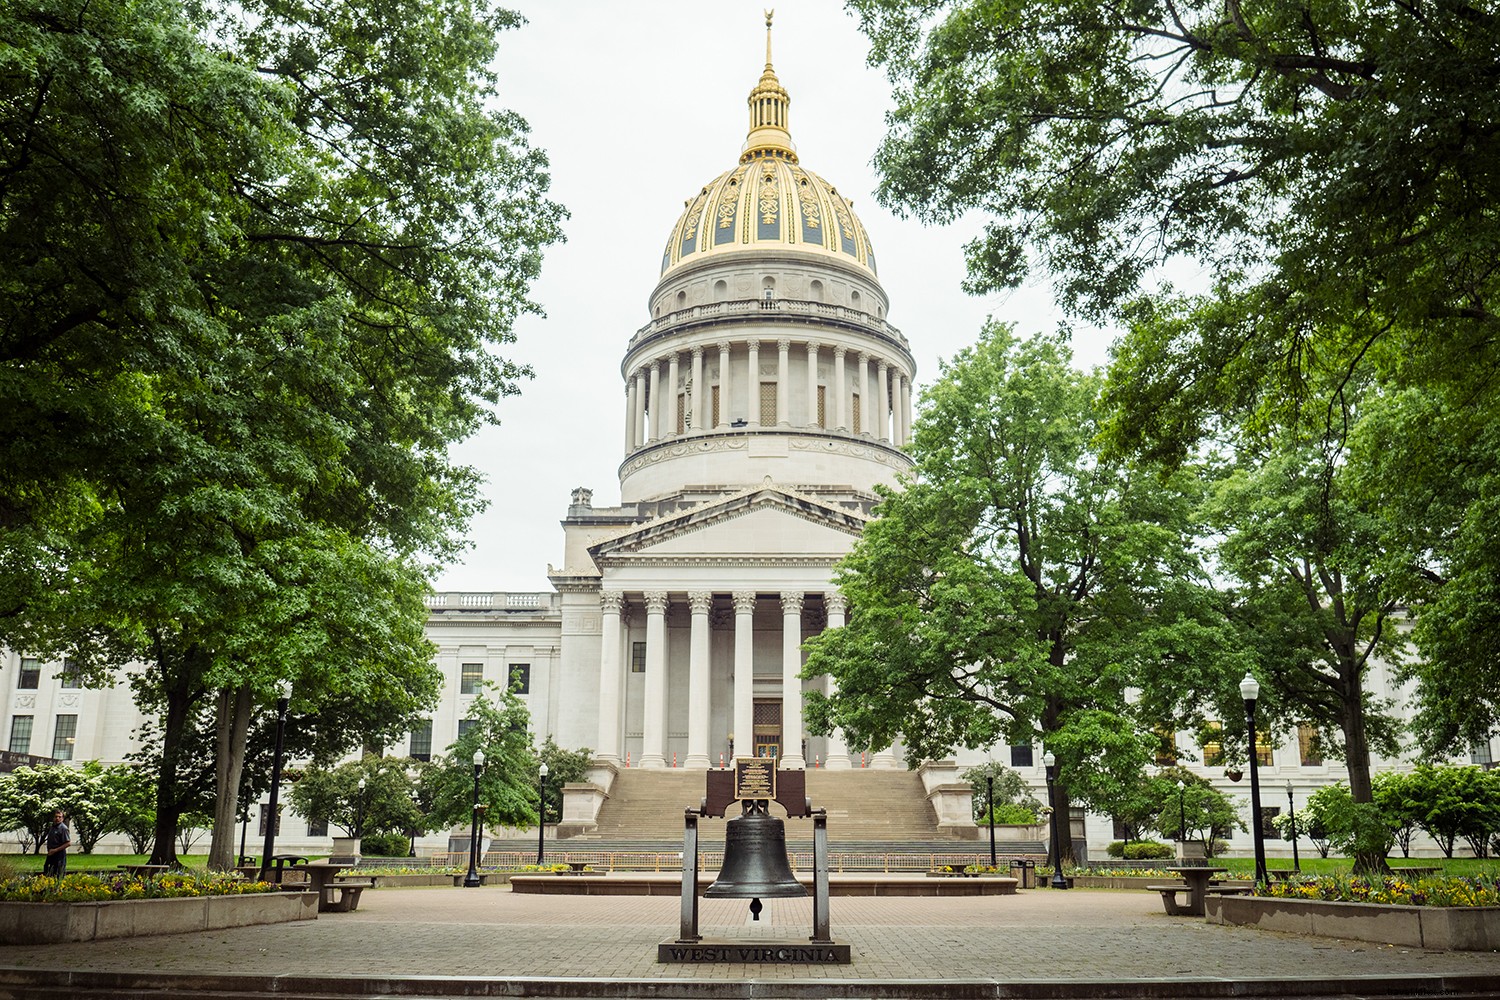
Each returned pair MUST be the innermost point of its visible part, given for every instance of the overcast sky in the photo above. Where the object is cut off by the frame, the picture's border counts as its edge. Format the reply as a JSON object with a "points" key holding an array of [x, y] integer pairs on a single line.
{"points": [[639, 105]]}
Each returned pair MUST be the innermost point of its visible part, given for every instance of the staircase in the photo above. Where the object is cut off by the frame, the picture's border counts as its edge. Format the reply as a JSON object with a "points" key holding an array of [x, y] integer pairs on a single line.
{"points": [[868, 810]]}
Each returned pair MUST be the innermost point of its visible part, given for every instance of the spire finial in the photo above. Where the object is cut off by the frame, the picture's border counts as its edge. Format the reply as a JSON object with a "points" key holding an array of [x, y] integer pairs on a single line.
{"points": [[768, 113]]}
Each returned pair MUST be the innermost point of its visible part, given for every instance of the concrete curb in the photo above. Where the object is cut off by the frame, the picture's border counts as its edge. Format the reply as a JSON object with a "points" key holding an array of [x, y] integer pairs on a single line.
{"points": [[33, 983]]}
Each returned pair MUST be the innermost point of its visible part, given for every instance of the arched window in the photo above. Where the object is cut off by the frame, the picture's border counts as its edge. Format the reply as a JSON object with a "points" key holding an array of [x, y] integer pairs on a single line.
{"points": [[721, 291], [815, 290]]}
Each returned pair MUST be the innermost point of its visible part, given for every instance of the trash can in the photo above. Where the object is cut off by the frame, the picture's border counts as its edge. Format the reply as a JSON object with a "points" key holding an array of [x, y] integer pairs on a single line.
{"points": [[1025, 871]]}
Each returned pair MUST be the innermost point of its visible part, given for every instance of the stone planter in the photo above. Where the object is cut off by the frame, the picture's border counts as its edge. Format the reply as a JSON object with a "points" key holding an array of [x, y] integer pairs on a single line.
{"points": [[1446, 928], [345, 851], [54, 923]]}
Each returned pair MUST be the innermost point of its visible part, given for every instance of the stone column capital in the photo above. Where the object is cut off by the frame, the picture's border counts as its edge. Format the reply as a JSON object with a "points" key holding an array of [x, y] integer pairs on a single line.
{"points": [[722, 345], [697, 352], [744, 601], [784, 344], [835, 602], [813, 346], [656, 602], [611, 601], [839, 351], [700, 601], [791, 602]]}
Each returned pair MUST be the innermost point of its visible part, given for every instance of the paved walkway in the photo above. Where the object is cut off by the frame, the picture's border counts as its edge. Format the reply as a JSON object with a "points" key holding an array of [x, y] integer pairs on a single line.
{"points": [[1101, 935]]}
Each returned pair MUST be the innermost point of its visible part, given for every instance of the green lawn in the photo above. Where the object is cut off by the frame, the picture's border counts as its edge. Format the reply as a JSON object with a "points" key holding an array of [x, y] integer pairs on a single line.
{"points": [[24, 863]]}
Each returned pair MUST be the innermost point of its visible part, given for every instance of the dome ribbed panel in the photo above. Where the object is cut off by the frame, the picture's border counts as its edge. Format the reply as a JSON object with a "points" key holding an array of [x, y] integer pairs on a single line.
{"points": [[768, 203]]}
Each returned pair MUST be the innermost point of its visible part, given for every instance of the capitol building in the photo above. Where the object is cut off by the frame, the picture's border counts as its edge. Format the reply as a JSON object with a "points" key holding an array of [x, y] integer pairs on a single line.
{"points": [[762, 401]]}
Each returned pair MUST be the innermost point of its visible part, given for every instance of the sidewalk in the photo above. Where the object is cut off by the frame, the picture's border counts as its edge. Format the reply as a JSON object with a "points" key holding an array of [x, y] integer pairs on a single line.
{"points": [[1036, 936]]}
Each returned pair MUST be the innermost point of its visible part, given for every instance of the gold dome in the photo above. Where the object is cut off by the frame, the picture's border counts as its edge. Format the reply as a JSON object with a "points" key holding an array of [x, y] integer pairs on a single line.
{"points": [[769, 201]]}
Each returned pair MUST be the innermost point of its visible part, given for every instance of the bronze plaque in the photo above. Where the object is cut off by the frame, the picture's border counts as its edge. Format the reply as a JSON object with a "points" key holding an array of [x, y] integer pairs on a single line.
{"points": [[755, 778]]}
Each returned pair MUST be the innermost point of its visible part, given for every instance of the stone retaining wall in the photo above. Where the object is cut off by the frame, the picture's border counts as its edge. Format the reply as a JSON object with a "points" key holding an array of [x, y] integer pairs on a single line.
{"points": [[1446, 928], [52, 923]]}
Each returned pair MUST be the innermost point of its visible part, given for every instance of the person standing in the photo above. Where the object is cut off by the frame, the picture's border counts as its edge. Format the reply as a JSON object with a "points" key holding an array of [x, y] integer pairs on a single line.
{"points": [[59, 838]]}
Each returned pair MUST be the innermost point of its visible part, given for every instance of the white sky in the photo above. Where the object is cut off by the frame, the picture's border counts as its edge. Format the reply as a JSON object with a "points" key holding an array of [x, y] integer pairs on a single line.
{"points": [[639, 105]]}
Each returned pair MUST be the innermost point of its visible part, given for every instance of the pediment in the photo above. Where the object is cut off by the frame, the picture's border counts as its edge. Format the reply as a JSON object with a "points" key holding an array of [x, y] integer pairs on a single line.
{"points": [[765, 523]]}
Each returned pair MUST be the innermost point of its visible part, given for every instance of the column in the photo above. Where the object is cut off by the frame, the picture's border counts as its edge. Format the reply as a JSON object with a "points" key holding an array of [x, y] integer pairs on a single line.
{"points": [[670, 411], [866, 396], [744, 673], [791, 682], [840, 396], [640, 408], [883, 397], [697, 752], [611, 602], [752, 386], [629, 415], [723, 420], [838, 750], [904, 409], [654, 721], [653, 403], [783, 382], [812, 383], [699, 395]]}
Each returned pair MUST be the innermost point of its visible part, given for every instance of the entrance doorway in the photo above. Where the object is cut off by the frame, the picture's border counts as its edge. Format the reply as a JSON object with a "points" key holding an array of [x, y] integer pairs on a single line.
{"points": [[767, 720]]}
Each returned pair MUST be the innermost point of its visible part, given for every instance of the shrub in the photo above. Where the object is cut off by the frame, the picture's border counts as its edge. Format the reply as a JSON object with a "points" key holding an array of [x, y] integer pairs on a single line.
{"points": [[78, 887], [1142, 850], [1007, 812], [1116, 849], [384, 845]]}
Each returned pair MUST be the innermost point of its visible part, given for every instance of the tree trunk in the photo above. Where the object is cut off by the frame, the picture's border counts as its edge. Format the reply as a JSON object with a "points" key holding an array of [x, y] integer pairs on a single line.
{"points": [[232, 725], [1370, 861], [178, 695]]}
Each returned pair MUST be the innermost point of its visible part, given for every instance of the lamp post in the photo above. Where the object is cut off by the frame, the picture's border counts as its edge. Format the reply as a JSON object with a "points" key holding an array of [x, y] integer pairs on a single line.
{"points": [[1291, 807], [416, 804], [1250, 691], [359, 811], [1181, 811], [471, 880], [283, 698], [989, 781], [1049, 762], [541, 812]]}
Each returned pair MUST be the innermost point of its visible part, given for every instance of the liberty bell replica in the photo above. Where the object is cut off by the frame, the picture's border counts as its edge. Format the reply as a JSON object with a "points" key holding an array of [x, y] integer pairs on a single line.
{"points": [[755, 861]]}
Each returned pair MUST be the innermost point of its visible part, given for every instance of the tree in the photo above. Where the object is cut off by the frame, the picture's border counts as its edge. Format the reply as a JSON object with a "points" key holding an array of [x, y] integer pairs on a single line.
{"points": [[1453, 802], [563, 767], [1018, 583], [383, 805], [1393, 796], [132, 804], [1198, 810], [1330, 172], [265, 304], [28, 798], [507, 781], [1315, 601], [1353, 829], [1011, 790]]}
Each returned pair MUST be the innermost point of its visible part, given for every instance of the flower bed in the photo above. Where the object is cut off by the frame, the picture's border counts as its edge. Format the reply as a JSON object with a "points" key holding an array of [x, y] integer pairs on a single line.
{"points": [[81, 907], [1457, 914]]}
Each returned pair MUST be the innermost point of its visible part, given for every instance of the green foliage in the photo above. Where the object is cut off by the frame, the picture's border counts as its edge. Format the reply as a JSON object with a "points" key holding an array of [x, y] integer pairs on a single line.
{"points": [[79, 887], [563, 767], [1359, 829], [507, 781], [1010, 789], [1145, 850], [1019, 583], [245, 309], [1477, 890], [1007, 812], [1197, 810], [1450, 802], [384, 845], [385, 803]]}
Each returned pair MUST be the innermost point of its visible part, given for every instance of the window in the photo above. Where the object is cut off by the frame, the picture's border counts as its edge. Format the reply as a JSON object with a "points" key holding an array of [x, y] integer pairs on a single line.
{"points": [[20, 734], [470, 676], [265, 810], [637, 657], [520, 677], [768, 403], [683, 416], [421, 741], [1268, 816], [1479, 753], [70, 676], [1208, 739], [464, 725], [1311, 754], [1021, 755], [854, 422], [822, 420], [714, 394], [1166, 748], [63, 737], [1263, 748], [31, 673], [317, 828]]}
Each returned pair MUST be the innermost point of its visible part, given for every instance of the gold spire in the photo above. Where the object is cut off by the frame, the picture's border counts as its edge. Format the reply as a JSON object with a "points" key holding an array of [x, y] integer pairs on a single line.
{"points": [[768, 114]]}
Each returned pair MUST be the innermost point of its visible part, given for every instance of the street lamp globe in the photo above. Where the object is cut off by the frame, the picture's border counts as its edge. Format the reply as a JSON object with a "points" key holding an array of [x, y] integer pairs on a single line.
{"points": [[1249, 688], [478, 758]]}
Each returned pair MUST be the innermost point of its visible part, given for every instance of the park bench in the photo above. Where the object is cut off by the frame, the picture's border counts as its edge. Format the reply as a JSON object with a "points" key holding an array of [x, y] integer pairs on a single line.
{"points": [[342, 894]]}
